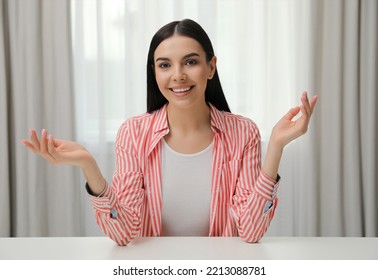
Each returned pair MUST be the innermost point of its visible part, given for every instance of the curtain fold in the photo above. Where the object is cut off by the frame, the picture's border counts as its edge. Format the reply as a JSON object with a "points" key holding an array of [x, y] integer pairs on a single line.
{"points": [[5, 183], [43, 200], [337, 163], [338, 116], [368, 104], [347, 120]]}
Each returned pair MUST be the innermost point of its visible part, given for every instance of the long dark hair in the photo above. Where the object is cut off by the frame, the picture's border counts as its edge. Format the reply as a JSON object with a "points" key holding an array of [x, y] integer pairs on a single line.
{"points": [[213, 93]]}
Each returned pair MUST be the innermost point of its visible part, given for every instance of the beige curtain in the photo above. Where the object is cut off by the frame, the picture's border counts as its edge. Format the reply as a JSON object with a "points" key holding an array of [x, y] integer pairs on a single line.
{"points": [[330, 176], [36, 92], [5, 224], [346, 73]]}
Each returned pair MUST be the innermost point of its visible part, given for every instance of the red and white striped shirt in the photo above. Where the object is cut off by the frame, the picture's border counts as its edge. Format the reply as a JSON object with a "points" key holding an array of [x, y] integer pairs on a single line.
{"points": [[243, 198]]}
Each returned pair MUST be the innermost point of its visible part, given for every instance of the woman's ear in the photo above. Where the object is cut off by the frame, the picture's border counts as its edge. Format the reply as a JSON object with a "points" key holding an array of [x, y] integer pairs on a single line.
{"points": [[213, 67]]}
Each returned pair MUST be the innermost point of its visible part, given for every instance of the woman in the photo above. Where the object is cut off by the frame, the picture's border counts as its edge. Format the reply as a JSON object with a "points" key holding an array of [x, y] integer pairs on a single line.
{"points": [[187, 166]]}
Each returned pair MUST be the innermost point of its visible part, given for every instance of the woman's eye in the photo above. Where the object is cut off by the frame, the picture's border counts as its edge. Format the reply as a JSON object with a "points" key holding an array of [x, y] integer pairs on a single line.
{"points": [[163, 65], [191, 62]]}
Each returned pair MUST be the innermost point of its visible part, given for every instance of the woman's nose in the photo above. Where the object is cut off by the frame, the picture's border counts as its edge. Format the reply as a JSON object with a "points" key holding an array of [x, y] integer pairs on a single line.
{"points": [[179, 74]]}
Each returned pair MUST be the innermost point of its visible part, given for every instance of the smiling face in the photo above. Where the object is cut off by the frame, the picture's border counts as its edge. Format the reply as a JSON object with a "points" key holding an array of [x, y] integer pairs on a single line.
{"points": [[182, 71]]}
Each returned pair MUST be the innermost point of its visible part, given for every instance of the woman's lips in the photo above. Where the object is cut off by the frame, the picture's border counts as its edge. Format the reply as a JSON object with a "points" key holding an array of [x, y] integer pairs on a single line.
{"points": [[181, 91]]}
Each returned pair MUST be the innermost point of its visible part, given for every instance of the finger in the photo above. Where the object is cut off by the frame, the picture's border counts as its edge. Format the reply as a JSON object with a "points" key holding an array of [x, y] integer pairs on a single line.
{"points": [[308, 107], [34, 140], [292, 113], [306, 104], [28, 145], [313, 102], [46, 154], [43, 142], [51, 147]]}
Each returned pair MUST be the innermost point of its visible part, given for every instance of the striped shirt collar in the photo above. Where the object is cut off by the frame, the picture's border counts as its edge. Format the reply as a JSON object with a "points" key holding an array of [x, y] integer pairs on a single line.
{"points": [[161, 123]]}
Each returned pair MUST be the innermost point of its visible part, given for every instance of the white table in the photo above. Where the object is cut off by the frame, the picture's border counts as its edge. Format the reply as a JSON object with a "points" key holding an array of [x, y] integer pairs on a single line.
{"points": [[191, 248]]}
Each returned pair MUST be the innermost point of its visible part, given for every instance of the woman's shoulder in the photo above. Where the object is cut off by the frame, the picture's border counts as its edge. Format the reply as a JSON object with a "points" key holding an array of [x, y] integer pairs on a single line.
{"points": [[237, 121], [240, 129], [144, 119], [145, 123], [136, 129]]}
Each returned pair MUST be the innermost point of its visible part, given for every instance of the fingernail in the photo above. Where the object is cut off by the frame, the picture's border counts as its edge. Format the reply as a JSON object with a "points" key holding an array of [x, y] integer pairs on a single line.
{"points": [[43, 132]]}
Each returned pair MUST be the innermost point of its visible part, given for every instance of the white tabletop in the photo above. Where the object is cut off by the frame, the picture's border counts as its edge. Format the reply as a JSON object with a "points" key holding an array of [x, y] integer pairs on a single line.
{"points": [[182, 248]]}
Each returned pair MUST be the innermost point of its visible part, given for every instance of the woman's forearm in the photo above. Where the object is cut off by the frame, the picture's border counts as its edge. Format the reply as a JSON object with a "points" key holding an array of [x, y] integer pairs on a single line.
{"points": [[93, 176], [272, 160]]}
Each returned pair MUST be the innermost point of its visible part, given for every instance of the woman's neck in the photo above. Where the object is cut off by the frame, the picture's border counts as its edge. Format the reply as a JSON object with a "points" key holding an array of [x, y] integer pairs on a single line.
{"points": [[189, 120]]}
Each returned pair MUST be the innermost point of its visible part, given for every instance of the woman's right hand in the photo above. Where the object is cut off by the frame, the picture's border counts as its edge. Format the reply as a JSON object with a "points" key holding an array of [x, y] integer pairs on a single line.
{"points": [[57, 151]]}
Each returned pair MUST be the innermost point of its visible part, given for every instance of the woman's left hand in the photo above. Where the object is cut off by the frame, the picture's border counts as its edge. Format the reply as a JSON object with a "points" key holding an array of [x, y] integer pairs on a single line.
{"points": [[286, 130]]}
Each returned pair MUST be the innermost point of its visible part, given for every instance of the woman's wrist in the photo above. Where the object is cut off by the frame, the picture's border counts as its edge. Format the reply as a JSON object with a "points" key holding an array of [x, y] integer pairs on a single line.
{"points": [[272, 159], [93, 175]]}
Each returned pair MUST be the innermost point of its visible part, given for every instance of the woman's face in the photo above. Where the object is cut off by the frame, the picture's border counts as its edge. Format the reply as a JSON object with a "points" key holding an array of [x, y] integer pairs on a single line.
{"points": [[182, 72]]}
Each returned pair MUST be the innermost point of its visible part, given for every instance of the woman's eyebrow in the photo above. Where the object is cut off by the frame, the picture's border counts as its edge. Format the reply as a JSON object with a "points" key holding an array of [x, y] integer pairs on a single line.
{"points": [[185, 57]]}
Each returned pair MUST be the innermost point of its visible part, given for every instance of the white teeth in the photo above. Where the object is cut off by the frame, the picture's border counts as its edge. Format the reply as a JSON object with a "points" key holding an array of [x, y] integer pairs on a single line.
{"points": [[181, 89]]}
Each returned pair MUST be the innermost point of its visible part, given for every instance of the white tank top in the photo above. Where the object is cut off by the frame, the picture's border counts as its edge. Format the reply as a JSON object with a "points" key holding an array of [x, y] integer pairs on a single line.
{"points": [[186, 184]]}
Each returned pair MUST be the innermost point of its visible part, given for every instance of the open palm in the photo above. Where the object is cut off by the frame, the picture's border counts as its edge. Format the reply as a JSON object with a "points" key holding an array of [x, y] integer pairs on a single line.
{"points": [[57, 151]]}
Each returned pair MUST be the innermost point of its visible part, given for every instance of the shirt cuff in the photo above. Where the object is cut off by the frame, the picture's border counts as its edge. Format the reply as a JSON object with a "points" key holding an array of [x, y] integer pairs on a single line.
{"points": [[105, 201], [266, 186], [89, 191]]}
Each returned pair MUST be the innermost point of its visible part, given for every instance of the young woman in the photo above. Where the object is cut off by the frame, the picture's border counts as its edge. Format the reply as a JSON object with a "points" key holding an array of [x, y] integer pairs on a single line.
{"points": [[187, 166]]}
